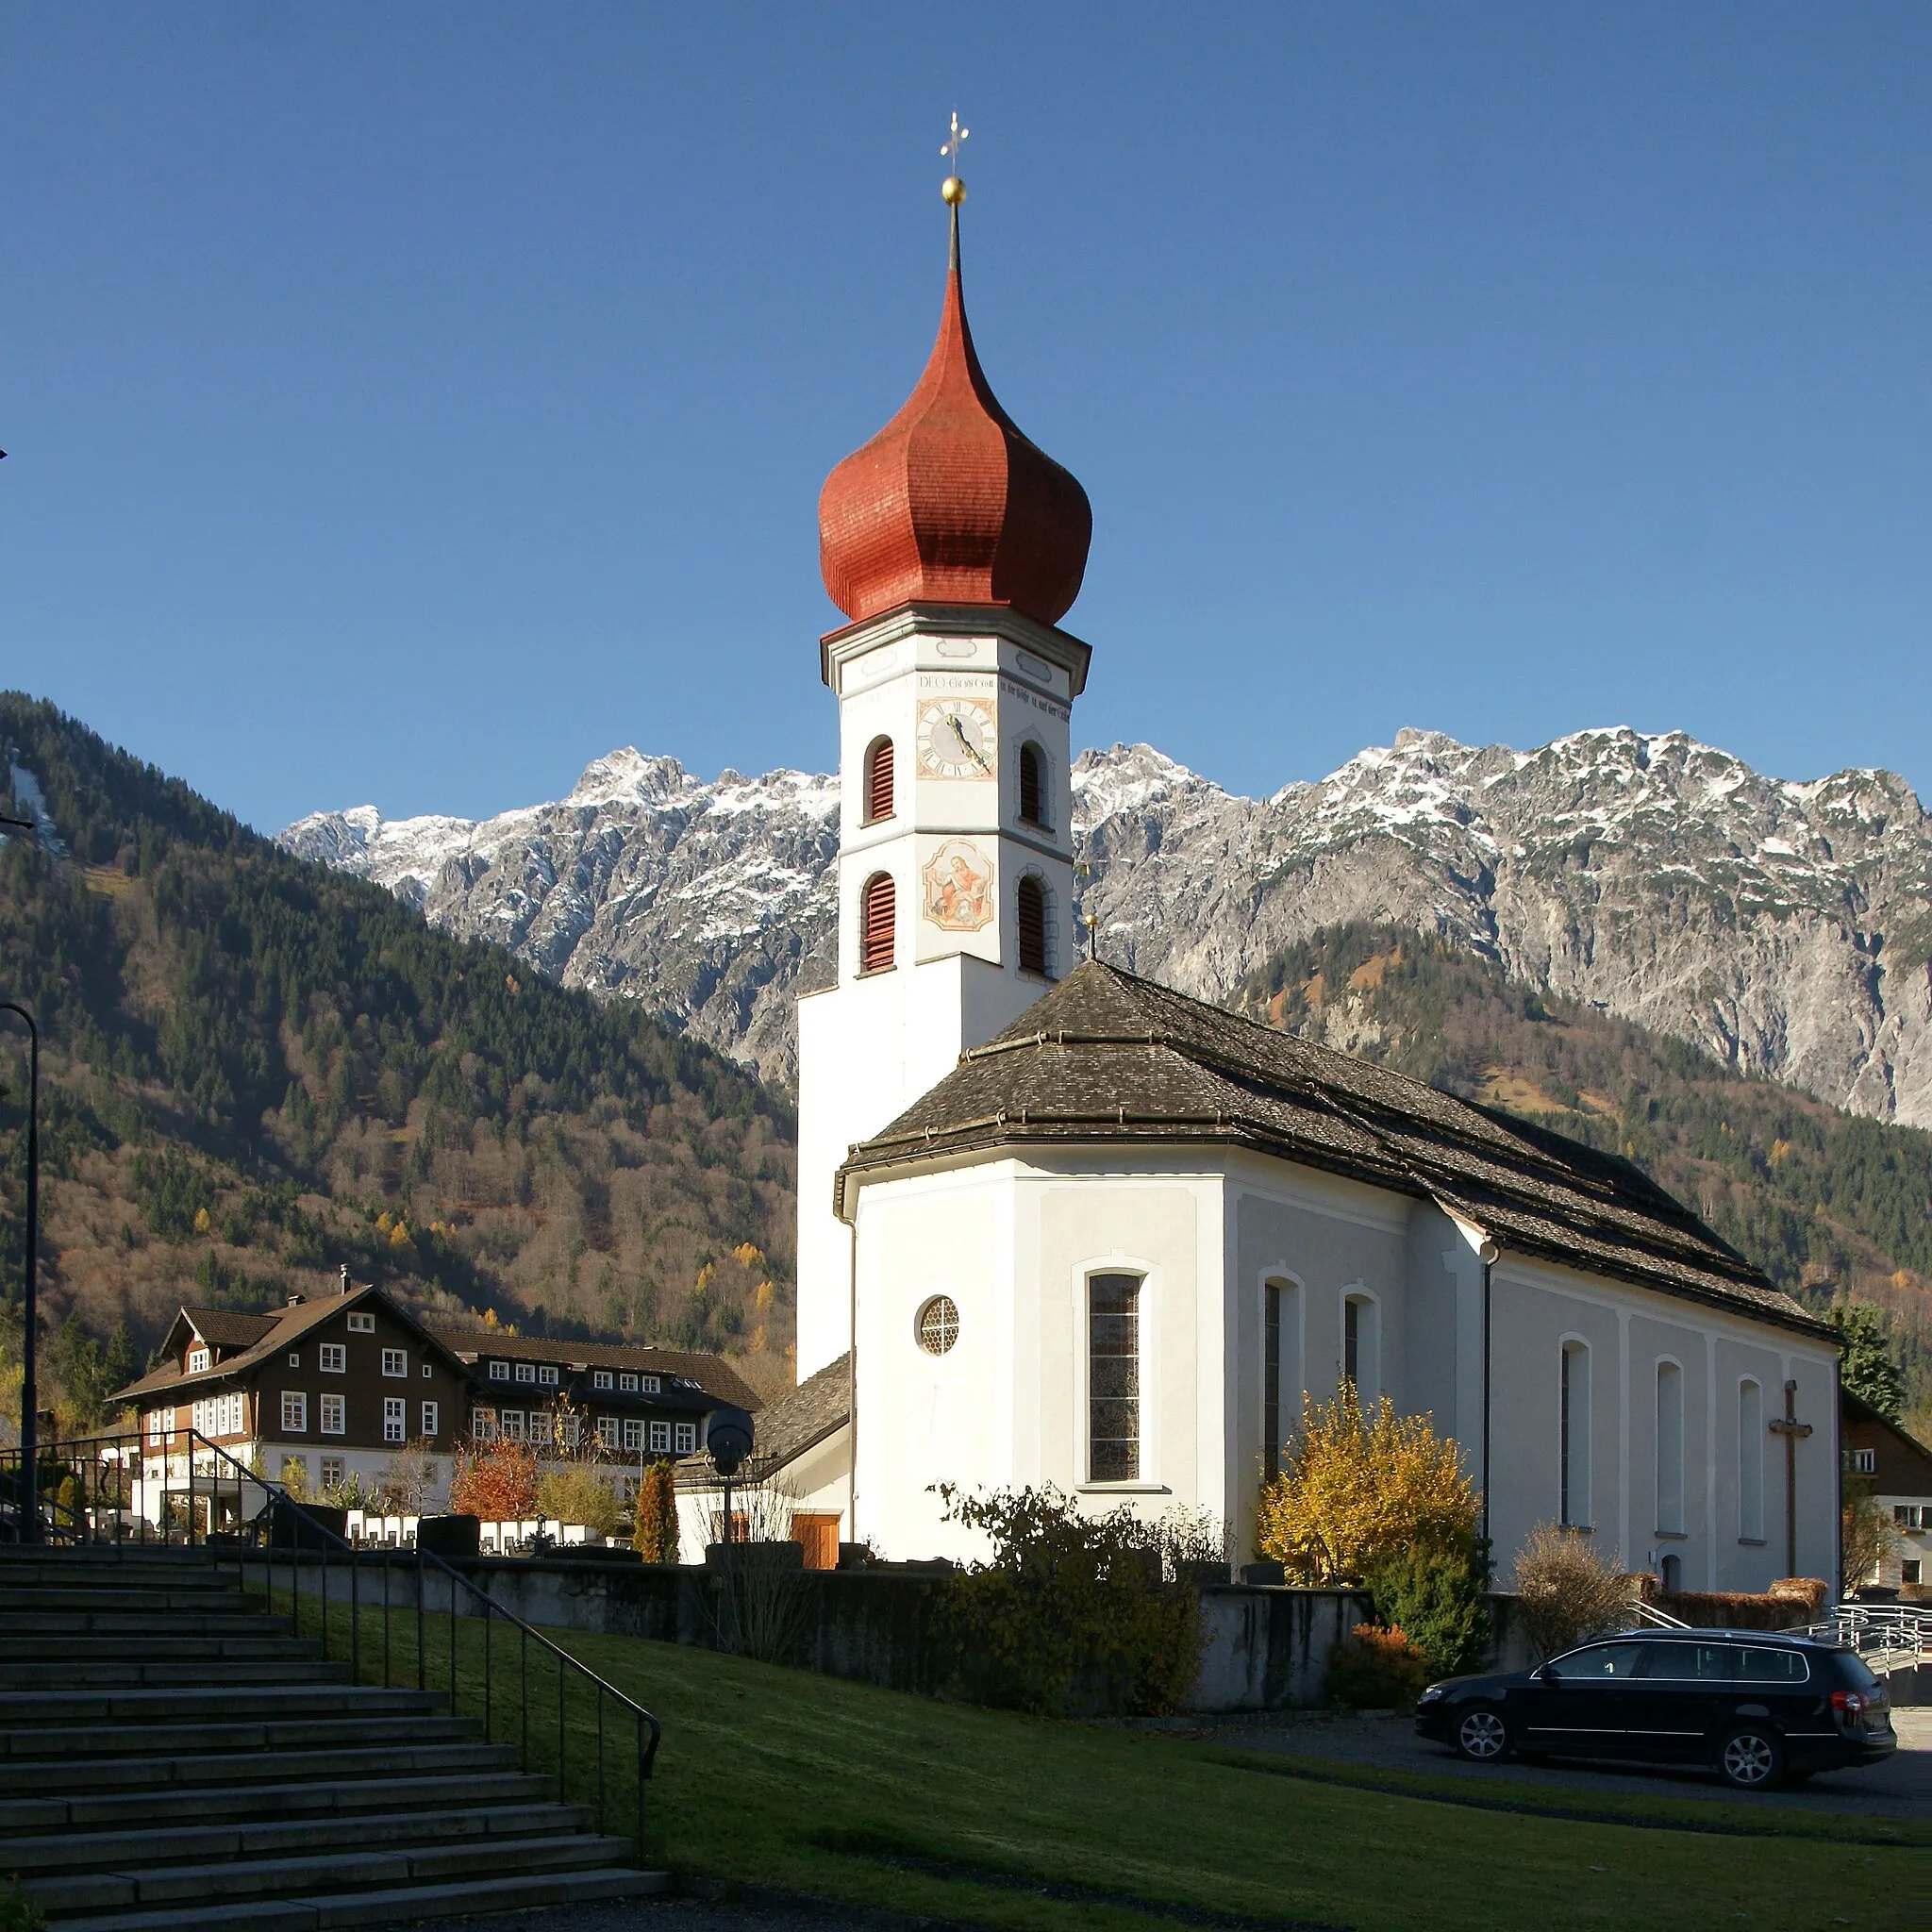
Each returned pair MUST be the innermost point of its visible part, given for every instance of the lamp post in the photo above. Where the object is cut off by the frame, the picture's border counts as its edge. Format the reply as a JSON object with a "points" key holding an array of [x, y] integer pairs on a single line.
{"points": [[29, 1394]]}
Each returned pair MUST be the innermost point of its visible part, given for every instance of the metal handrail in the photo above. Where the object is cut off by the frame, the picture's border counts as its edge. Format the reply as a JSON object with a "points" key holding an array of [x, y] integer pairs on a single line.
{"points": [[1649, 1613], [213, 1476]]}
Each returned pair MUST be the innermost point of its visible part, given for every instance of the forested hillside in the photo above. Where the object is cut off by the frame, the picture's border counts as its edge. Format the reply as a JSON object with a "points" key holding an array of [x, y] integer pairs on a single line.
{"points": [[255, 1070], [1829, 1204]]}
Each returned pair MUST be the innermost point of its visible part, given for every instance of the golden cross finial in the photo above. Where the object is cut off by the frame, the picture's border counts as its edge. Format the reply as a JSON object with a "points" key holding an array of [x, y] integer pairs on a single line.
{"points": [[952, 188]]}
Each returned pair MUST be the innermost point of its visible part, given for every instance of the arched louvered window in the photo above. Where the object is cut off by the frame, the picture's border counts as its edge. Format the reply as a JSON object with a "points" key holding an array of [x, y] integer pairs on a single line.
{"points": [[1032, 785], [1032, 924], [878, 780], [876, 909]]}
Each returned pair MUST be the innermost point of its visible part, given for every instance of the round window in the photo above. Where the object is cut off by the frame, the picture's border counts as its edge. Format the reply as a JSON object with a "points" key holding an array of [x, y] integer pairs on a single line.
{"points": [[937, 1327]]}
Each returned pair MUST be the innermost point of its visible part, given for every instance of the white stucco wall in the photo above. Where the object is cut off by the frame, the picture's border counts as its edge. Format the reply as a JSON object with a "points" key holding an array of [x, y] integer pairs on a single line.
{"points": [[1013, 1241], [871, 1044]]}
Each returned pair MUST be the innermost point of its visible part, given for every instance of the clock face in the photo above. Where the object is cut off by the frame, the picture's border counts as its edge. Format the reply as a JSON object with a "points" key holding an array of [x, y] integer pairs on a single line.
{"points": [[956, 738]]}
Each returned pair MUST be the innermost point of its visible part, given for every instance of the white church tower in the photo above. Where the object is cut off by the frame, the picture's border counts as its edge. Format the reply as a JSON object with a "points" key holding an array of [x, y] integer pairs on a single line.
{"points": [[954, 546]]}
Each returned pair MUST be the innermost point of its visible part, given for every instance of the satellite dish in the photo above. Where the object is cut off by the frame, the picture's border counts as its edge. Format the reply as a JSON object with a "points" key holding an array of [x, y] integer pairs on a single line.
{"points": [[728, 1437]]}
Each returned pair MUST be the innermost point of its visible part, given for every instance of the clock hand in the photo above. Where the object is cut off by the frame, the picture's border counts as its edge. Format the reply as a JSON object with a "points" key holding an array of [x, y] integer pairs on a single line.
{"points": [[972, 750]]}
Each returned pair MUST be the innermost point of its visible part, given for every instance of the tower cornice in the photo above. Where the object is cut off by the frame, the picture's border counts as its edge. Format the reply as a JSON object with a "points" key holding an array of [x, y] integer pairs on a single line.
{"points": [[1061, 649]]}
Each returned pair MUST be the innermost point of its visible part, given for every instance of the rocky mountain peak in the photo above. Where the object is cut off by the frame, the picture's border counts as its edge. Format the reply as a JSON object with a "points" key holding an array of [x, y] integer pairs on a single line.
{"points": [[1783, 927]]}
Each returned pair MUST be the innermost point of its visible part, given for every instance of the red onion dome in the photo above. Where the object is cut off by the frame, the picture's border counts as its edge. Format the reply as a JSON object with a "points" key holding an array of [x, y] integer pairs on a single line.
{"points": [[949, 502]]}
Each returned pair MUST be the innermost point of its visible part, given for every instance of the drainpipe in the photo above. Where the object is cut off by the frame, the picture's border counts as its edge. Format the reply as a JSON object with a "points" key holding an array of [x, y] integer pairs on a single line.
{"points": [[1486, 1254], [852, 1379]]}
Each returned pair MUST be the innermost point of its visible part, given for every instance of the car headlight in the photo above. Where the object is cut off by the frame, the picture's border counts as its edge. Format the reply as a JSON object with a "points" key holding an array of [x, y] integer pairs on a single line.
{"points": [[1432, 1696]]}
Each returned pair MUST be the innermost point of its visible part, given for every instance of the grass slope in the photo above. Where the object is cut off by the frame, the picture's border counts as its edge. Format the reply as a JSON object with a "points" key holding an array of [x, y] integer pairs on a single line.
{"points": [[776, 1777], [1827, 1203], [255, 1070]]}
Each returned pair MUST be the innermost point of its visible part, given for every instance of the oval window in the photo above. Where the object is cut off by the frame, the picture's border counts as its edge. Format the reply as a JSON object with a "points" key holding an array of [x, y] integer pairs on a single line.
{"points": [[938, 1324]]}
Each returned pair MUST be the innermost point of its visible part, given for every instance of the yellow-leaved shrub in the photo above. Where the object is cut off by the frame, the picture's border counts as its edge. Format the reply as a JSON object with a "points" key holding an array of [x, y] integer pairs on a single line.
{"points": [[1355, 1487]]}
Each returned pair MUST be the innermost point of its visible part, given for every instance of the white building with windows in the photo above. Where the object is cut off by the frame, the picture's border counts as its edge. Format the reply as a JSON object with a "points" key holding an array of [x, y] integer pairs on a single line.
{"points": [[1058, 1224]]}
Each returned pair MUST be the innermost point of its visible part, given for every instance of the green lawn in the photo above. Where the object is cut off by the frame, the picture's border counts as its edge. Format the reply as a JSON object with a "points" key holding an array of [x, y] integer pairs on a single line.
{"points": [[785, 1779]]}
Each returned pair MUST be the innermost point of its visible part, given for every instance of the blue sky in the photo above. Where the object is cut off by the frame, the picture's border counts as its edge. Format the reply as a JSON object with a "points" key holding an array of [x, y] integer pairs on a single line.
{"points": [[407, 405]]}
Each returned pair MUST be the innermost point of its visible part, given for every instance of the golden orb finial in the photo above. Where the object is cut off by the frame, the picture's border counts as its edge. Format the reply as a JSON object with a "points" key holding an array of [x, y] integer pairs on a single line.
{"points": [[953, 190]]}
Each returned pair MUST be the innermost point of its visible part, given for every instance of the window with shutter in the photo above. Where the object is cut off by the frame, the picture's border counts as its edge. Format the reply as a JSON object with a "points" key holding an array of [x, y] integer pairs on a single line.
{"points": [[879, 780], [1032, 926], [1032, 785], [875, 920]]}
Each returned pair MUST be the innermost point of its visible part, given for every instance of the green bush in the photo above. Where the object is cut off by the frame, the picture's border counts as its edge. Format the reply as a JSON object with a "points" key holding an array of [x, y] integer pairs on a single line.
{"points": [[1436, 1597], [1377, 1669], [17, 1912], [1070, 1615], [576, 1492]]}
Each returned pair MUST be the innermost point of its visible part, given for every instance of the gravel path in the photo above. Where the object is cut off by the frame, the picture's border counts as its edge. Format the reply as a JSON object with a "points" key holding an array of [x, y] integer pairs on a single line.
{"points": [[1899, 1787]]}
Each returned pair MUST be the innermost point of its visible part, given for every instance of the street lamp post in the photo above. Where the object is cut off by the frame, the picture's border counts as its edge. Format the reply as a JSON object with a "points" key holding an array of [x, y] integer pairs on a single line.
{"points": [[29, 1393]]}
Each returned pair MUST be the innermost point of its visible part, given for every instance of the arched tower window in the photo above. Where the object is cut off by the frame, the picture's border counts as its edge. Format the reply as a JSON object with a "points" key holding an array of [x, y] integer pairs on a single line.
{"points": [[1032, 923], [878, 780], [878, 912], [1032, 785]]}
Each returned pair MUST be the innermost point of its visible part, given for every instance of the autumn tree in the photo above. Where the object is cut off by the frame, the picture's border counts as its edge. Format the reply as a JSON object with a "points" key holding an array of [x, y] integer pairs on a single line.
{"points": [[1355, 1487], [496, 1481]]}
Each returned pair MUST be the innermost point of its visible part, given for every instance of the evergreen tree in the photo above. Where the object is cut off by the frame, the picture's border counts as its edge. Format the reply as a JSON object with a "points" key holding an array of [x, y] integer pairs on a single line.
{"points": [[1869, 1371]]}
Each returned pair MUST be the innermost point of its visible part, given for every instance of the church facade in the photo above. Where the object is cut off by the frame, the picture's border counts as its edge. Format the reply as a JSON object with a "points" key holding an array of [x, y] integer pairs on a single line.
{"points": [[1059, 1224]]}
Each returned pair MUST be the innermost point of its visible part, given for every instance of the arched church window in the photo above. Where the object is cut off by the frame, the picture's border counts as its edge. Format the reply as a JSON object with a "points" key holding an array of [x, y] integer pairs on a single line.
{"points": [[1750, 1461], [1032, 924], [1670, 1448], [936, 1325], [1573, 1432], [1361, 1351], [878, 780], [1113, 1379], [877, 916], [1033, 784]]}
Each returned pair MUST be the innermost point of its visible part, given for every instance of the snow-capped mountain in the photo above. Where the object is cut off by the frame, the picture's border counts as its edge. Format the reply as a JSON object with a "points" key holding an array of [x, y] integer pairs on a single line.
{"points": [[1783, 927]]}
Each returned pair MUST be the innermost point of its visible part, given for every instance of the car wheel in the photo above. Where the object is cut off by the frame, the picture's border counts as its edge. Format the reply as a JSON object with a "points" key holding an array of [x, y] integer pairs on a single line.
{"points": [[1481, 1735], [1752, 1758]]}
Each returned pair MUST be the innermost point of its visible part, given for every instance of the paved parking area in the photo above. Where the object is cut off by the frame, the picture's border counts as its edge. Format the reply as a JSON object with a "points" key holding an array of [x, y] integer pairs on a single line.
{"points": [[1900, 1788]]}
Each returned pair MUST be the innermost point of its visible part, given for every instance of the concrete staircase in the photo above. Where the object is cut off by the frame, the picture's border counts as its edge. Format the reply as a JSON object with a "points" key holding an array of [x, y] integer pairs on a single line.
{"points": [[171, 1758]]}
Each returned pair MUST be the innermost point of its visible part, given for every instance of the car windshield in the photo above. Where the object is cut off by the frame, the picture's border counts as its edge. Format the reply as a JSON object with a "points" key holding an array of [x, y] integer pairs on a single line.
{"points": [[1598, 1660], [1857, 1672]]}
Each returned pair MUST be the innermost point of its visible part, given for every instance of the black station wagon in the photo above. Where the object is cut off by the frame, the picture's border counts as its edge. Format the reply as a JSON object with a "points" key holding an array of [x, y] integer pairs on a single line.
{"points": [[1755, 1706]]}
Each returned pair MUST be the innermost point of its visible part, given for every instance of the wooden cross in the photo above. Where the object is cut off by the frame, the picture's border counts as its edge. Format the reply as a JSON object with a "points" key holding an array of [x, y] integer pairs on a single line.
{"points": [[1793, 1431]]}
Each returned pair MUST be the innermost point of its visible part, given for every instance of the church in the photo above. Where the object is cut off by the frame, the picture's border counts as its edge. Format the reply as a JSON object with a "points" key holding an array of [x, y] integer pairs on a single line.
{"points": [[1060, 1225]]}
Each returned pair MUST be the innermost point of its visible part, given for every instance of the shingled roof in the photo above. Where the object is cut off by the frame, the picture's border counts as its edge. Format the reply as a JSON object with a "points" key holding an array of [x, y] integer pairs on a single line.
{"points": [[1107, 1058], [819, 1406]]}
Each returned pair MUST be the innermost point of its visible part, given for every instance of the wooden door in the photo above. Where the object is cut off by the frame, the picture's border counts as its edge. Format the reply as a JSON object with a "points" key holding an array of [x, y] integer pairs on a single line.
{"points": [[819, 1536]]}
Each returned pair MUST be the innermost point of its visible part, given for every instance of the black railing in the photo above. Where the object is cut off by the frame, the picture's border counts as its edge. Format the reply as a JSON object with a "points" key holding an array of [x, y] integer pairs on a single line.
{"points": [[95, 1491]]}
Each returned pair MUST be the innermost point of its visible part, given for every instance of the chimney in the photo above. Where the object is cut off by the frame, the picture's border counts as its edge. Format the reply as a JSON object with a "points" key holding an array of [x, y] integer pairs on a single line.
{"points": [[345, 1278], [296, 1301]]}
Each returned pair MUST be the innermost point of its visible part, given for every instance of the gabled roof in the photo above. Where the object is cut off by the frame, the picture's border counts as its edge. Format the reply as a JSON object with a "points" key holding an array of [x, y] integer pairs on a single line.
{"points": [[713, 1373], [223, 1327], [818, 1407], [1108, 1057], [282, 1329]]}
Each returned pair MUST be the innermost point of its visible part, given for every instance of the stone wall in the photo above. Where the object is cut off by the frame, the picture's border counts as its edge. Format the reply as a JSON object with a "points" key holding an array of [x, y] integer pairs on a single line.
{"points": [[1265, 1647]]}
